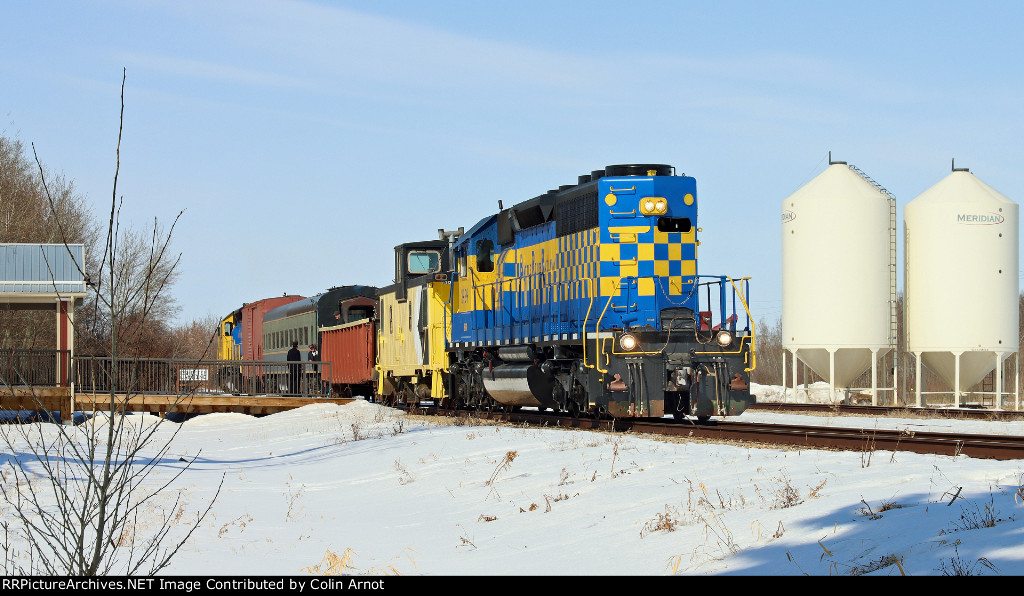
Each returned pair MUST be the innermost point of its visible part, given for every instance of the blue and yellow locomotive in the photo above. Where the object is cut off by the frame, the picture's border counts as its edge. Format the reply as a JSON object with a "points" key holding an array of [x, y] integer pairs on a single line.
{"points": [[588, 299]]}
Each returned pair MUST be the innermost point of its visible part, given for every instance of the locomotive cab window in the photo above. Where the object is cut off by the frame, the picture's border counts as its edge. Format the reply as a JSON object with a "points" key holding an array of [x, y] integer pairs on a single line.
{"points": [[484, 255], [674, 224], [421, 262], [358, 313]]}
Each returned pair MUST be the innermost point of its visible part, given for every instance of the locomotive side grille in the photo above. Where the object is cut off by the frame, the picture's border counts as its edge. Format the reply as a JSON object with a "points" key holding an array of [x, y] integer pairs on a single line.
{"points": [[575, 213]]}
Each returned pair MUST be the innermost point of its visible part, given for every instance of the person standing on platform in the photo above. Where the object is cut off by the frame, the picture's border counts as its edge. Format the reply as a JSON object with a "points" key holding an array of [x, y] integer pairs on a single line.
{"points": [[314, 358], [294, 370]]}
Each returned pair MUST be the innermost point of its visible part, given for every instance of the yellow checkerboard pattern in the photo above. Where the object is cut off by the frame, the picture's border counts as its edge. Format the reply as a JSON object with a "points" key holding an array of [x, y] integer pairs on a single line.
{"points": [[576, 263], [573, 262], [647, 256]]}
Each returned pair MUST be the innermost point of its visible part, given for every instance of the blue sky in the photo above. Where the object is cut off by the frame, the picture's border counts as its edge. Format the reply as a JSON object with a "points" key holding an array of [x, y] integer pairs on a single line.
{"points": [[304, 140]]}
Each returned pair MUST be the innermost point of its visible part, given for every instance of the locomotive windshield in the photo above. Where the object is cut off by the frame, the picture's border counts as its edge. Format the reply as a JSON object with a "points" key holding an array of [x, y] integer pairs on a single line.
{"points": [[424, 261]]}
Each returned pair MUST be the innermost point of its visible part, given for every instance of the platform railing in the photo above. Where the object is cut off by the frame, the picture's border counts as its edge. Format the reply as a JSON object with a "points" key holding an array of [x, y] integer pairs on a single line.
{"points": [[33, 368], [95, 374]]}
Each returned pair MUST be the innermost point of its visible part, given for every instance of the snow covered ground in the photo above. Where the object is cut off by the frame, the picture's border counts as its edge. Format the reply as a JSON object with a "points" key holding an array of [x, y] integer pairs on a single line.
{"points": [[370, 490]]}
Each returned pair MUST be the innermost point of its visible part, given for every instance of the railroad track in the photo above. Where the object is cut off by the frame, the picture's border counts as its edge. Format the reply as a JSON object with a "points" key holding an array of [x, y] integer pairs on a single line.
{"points": [[1001, 447], [954, 413]]}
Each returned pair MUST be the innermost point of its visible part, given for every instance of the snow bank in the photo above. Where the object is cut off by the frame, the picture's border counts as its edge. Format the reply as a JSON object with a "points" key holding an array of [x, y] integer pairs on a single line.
{"points": [[814, 393]]}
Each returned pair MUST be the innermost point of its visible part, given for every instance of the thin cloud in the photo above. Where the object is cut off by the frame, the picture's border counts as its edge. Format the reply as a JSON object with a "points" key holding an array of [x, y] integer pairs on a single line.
{"points": [[210, 71]]}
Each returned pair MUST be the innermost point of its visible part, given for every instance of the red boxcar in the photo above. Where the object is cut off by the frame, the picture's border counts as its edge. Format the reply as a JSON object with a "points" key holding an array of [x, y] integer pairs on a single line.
{"points": [[252, 324]]}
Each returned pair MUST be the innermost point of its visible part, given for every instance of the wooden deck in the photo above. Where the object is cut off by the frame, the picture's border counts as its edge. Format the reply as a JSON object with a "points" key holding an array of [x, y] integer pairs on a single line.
{"points": [[58, 399]]}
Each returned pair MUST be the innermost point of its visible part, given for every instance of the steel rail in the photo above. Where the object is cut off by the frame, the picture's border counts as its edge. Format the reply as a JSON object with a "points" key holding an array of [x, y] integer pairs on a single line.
{"points": [[999, 447], [955, 413]]}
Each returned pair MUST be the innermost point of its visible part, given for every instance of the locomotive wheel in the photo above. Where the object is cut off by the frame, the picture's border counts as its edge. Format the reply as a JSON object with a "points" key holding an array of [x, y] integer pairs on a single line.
{"points": [[460, 394], [558, 396], [573, 408], [407, 395]]}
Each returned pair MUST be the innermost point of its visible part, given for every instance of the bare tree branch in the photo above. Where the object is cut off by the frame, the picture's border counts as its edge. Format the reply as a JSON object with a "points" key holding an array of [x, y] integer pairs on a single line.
{"points": [[102, 497]]}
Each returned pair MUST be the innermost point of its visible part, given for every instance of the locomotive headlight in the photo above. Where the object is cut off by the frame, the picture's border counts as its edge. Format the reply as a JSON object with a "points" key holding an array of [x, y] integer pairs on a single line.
{"points": [[628, 342], [724, 338], [653, 206]]}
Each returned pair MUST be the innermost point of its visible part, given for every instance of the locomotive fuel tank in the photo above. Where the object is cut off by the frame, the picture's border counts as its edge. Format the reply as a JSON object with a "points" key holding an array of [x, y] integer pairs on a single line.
{"points": [[519, 384]]}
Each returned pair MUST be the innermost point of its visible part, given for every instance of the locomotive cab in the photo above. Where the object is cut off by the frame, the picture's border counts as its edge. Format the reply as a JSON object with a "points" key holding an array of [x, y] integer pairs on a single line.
{"points": [[413, 318]]}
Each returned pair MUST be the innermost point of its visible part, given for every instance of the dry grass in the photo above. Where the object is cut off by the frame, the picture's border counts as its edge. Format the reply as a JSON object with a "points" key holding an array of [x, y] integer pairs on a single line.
{"points": [[663, 522], [240, 522], [880, 563], [332, 564], [958, 567], [556, 498], [404, 477], [503, 465], [335, 565]]}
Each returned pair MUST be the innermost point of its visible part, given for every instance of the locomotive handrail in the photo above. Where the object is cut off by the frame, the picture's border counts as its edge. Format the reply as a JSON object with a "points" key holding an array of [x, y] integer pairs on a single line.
{"points": [[597, 337], [585, 319], [750, 321], [750, 325]]}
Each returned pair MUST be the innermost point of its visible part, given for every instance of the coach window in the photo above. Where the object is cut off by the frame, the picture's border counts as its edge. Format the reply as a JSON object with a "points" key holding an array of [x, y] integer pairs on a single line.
{"points": [[422, 262], [484, 255]]}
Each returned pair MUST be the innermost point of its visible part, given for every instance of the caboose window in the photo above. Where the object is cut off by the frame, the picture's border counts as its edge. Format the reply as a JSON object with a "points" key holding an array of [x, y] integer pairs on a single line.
{"points": [[424, 261], [674, 224]]}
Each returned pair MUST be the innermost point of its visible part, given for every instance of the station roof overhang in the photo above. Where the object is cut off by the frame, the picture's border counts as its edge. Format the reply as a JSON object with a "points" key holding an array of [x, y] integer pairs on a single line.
{"points": [[37, 276]]}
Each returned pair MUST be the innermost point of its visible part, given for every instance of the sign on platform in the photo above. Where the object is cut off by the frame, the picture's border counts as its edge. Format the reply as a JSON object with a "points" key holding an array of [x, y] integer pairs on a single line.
{"points": [[193, 374]]}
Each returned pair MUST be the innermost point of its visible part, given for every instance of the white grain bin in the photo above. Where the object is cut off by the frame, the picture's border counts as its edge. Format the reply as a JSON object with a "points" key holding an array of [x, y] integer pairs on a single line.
{"points": [[838, 274], [961, 267]]}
